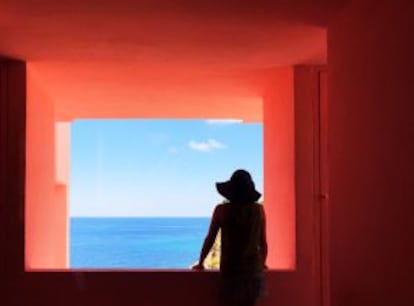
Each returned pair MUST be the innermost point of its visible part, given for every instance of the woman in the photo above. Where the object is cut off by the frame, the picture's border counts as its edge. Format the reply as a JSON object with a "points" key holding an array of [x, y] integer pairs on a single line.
{"points": [[243, 241]]}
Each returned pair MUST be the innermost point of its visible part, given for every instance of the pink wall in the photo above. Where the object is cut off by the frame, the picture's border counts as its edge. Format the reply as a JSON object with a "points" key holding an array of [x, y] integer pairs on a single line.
{"points": [[278, 110], [371, 195], [62, 152], [299, 287], [46, 222], [371, 134]]}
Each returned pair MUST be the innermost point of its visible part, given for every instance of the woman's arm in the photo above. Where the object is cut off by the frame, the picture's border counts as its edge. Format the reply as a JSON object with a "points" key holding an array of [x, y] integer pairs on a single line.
{"points": [[210, 238]]}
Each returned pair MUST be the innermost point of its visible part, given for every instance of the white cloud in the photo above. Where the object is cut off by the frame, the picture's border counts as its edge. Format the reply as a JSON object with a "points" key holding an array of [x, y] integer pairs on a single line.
{"points": [[208, 146], [224, 121]]}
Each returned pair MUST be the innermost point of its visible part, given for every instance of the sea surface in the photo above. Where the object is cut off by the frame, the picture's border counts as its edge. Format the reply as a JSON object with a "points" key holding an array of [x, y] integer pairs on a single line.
{"points": [[147, 243]]}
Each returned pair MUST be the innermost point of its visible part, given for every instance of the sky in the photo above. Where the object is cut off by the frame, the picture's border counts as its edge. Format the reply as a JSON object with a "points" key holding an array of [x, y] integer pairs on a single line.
{"points": [[164, 168]]}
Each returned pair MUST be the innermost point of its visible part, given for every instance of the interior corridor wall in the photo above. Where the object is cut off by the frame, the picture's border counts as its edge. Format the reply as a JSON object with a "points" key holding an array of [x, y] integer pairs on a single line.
{"points": [[12, 172], [46, 222], [371, 149], [279, 169], [294, 288], [291, 107]]}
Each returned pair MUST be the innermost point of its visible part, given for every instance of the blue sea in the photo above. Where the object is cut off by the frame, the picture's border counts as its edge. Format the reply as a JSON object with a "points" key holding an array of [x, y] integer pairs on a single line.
{"points": [[145, 243]]}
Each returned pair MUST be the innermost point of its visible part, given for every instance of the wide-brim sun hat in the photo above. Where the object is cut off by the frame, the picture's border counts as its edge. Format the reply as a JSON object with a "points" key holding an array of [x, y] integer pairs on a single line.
{"points": [[239, 188]]}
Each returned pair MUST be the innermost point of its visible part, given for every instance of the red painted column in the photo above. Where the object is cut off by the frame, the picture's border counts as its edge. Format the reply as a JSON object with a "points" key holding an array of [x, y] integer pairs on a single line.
{"points": [[371, 153], [279, 190], [46, 211], [12, 170]]}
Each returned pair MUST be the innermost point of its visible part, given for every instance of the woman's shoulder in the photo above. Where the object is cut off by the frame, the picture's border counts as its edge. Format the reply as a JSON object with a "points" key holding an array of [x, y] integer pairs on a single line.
{"points": [[227, 206], [257, 205], [258, 208], [221, 206]]}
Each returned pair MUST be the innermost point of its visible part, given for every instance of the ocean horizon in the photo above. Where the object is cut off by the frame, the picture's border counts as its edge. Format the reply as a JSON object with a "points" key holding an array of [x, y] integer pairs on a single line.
{"points": [[136, 242]]}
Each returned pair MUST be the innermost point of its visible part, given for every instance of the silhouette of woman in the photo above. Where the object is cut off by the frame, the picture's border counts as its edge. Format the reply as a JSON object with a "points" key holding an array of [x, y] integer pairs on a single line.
{"points": [[243, 241]]}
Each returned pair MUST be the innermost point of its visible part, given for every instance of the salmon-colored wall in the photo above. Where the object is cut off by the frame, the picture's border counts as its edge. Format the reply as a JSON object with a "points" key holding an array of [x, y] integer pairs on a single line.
{"points": [[371, 150], [46, 222], [371, 195], [295, 288], [62, 152], [278, 110]]}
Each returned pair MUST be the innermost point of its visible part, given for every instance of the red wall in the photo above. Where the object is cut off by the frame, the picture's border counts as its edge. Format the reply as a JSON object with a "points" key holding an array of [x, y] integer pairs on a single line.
{"points": [[294, 288], [46, 222], [12, 169], [279, 170], [371, 146]]}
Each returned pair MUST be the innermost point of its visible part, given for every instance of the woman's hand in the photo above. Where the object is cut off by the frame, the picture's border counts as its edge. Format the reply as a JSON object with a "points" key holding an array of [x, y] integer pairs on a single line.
{"points": [[198, 267]]}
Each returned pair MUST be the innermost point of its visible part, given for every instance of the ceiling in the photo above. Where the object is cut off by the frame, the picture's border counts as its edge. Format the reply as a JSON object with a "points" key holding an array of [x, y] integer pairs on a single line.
{"points": [[161, 50]]}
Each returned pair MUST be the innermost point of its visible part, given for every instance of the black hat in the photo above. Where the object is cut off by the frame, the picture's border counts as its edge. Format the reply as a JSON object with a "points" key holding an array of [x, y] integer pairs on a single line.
{"points": [[240, 188]]}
